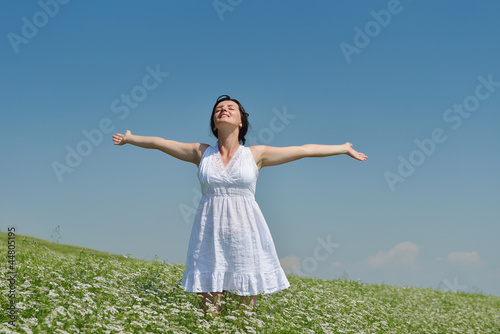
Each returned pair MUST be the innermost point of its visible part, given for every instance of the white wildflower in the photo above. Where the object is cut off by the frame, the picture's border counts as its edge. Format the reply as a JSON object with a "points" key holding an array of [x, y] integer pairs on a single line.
{"points": [[60, 310], [137, 324], [26, 284], [52, 294]]}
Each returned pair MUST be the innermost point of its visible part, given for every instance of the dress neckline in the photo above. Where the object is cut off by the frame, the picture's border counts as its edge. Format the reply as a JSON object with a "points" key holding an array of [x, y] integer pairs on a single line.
{"points": [[232, 161]]}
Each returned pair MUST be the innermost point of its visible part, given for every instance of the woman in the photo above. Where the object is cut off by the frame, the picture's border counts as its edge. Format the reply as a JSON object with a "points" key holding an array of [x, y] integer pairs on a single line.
{"points": [[231, 248]]}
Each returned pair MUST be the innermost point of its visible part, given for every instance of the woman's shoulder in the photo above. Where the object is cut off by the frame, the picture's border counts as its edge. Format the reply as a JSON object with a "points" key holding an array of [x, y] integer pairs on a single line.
{"points": [[203, 147], [257, 149]]}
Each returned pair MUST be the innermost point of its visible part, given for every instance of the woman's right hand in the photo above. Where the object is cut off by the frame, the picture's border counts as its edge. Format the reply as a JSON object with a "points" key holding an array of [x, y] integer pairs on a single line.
{"points": [[120, 139], [353, 153]]}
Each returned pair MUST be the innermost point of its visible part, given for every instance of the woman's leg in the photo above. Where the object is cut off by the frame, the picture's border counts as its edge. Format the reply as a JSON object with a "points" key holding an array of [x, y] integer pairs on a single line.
{"points": [[210, 300], [249, 300]]}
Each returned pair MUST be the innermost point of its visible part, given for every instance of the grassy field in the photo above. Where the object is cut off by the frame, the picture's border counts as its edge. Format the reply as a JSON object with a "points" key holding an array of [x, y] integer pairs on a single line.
{"points": [[67, 289]]}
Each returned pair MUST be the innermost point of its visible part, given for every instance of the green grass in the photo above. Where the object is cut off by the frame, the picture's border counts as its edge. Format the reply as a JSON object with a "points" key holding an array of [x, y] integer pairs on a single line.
{"points": [[68, 289]]}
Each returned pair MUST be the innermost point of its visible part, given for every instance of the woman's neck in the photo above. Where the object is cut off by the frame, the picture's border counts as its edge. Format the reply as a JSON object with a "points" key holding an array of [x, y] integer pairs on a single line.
{"points": [[228, 142]]}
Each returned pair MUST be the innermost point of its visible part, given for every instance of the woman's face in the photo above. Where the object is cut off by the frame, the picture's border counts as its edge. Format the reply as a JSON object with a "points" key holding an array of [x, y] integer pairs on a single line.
{"points": [[227, 112]]}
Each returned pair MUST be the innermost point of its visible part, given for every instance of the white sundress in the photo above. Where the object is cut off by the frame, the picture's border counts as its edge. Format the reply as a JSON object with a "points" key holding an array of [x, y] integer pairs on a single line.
{"points": [[231, 247]]}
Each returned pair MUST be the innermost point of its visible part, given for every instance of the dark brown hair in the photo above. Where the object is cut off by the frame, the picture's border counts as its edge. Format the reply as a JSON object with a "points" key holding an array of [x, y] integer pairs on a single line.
{"points": [[244, 118]]}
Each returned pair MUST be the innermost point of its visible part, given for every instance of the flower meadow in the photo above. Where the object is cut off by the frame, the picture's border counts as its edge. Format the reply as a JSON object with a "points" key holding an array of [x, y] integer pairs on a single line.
{"points": [[67, 289]]}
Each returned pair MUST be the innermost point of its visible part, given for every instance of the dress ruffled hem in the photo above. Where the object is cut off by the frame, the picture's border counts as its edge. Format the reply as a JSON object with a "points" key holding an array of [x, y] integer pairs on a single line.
{"points": [[236, 283]]}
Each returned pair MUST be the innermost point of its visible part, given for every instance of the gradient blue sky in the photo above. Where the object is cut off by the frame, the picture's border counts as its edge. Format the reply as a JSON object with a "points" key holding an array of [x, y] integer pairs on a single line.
{"points": [[66, 69]]}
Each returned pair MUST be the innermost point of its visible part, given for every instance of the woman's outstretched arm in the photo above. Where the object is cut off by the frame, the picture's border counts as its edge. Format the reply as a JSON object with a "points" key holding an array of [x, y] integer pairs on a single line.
{"points": [[272, 156], [190, 152]]}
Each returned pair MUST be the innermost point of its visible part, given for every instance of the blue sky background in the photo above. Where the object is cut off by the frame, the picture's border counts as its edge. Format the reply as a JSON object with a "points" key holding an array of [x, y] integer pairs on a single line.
{"points": [[438, 228]]}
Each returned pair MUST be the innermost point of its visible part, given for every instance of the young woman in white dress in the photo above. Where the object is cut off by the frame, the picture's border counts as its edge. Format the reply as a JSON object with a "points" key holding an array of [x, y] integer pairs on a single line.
{"points": [[229, 124]]}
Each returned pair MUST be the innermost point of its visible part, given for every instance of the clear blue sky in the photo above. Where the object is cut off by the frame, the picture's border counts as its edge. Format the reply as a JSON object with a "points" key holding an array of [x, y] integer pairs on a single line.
{"points": [[322, 72]]}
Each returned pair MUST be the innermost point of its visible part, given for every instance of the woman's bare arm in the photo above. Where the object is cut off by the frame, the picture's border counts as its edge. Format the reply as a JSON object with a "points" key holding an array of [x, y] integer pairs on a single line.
{"points": [[272, 156], [190, 152]]}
